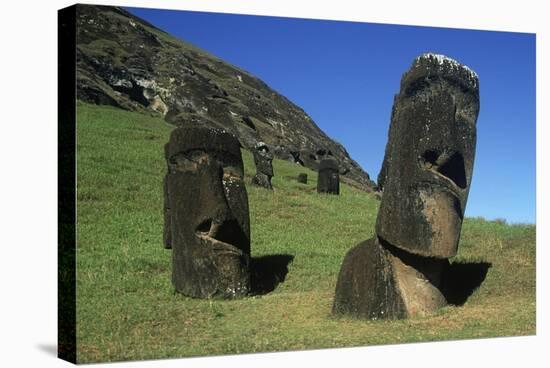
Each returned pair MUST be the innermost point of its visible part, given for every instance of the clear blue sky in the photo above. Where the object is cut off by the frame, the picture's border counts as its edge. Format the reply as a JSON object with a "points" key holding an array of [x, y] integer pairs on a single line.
{"points": [[345, 74]]}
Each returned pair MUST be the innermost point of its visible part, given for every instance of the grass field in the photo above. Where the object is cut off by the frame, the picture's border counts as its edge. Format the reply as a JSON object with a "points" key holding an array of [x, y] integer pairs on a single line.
{"points": [[126, 306]]}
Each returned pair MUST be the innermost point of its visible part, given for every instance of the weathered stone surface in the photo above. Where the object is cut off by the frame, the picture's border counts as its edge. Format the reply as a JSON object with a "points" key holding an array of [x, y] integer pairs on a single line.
{"points": [[126, 62], [366, 285], [379, 281], [429, 157], [302, 178], [209, 219], [328, 180], [309, 159], [263, 160]]}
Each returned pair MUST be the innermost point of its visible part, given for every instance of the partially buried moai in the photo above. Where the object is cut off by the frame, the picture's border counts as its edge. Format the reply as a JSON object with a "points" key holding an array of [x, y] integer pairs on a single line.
{"points": [[206, 217], [263, 160], [429, 161], [328, 180]]}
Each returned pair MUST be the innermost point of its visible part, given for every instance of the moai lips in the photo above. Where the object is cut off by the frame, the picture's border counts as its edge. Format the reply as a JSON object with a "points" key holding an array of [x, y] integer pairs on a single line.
{"points": [[431, 154], [210, 231], [328, 180]]}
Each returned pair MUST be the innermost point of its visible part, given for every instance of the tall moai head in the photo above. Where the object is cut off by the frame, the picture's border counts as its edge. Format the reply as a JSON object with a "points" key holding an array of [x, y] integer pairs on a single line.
{"points": [[328, 180], [263, 159], [430, 157], [209, 227]]}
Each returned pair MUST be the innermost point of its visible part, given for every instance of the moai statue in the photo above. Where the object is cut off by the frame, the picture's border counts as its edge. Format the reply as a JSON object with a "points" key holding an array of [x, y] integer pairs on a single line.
{"points": [[263, 160], [328, 180], [302, 178], [208, 218], [430, 157]]}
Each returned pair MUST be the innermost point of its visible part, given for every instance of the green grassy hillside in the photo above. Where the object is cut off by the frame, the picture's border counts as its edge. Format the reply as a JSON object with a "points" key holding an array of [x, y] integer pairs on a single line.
{"points": [[126, 306]]}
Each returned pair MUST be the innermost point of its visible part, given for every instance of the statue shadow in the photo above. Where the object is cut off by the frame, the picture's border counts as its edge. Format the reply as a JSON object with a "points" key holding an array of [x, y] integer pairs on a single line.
{"points": [[462, 279], [268, 272]]}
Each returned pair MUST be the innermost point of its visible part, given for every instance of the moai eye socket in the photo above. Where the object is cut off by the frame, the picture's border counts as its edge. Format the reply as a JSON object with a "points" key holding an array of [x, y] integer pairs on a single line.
{"points": [[188, 161], [204, 227], [180, 163], [450, 166], [453, 168]]}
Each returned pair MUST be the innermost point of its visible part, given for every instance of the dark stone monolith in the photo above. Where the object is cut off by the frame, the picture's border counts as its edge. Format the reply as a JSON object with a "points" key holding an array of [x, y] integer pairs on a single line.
{"points": [[302, 178], [264, 166], [208, 213], [328, 180], [426, 177], [432, 146]]}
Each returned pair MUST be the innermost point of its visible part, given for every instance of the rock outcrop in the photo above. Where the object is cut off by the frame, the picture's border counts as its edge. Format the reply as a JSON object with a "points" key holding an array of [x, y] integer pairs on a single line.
{"points": [[126, 62]]}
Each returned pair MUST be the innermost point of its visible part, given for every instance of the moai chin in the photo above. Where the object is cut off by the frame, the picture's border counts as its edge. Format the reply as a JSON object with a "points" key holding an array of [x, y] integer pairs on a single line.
{"points": [[427, 171], [208, 212], [328, 180], [263, 160]]}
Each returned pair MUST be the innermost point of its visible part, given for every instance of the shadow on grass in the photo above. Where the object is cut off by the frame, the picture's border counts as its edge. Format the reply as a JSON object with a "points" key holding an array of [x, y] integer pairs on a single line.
{"points": [[50, 349], [268, 272], [462, 279]]}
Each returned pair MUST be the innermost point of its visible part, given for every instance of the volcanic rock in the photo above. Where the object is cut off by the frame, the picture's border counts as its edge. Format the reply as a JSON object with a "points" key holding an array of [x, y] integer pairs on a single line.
{"points": [[126, 62]]}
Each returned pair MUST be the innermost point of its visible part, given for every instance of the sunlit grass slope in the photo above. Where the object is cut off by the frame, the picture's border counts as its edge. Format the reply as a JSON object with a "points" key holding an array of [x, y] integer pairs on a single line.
{"points": [[126, 306]]}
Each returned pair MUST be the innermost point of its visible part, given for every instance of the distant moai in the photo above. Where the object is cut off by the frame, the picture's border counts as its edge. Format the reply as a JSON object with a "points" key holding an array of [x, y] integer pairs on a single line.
{"points": [[206, 213], [427, 174], [302, 178], [328, 180], [263, 160]]}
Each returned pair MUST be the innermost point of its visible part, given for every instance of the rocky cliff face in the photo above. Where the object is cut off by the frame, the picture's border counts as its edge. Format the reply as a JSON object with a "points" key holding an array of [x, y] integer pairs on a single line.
{"points": [[126, 62]]}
